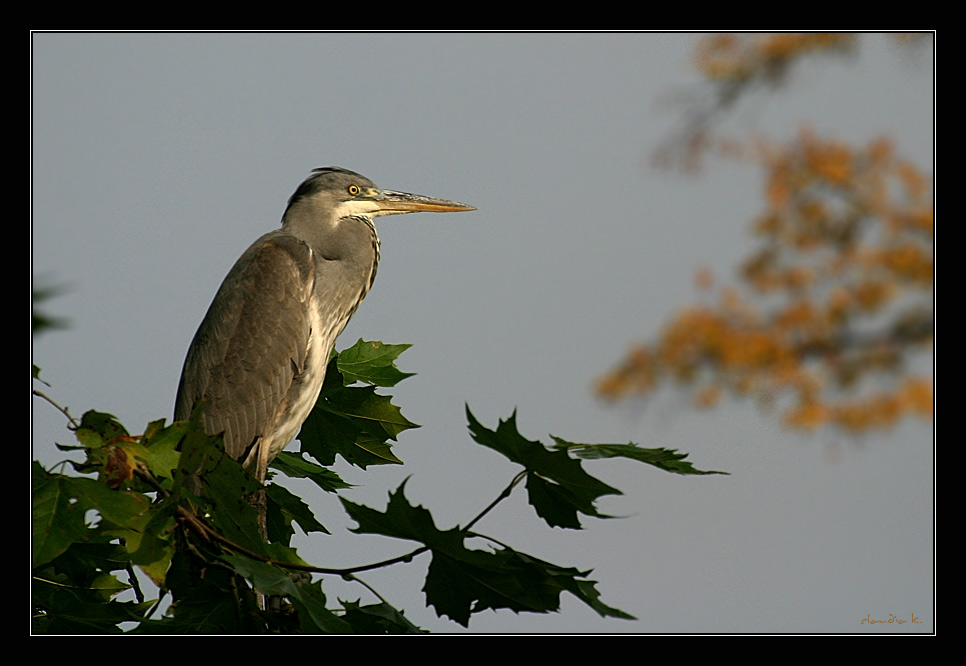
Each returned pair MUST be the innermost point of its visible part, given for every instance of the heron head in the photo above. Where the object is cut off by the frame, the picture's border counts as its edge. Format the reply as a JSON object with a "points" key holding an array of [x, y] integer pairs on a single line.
{"points": [[342, 193]]}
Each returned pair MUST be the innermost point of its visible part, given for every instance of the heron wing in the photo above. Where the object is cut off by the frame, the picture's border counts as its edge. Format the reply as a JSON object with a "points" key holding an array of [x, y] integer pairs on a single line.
{"points": [[252, 342]]}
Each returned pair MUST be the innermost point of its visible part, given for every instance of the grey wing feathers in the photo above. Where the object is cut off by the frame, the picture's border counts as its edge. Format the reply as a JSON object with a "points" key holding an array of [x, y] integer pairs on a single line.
{"points": [[252, 342]]}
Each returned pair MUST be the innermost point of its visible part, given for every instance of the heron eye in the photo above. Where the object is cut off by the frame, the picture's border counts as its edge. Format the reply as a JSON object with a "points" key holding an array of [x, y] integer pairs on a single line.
{"points": [[354, 190]]}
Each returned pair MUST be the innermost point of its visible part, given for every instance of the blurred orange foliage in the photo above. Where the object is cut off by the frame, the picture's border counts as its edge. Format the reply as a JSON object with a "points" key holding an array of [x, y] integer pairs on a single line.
{"points": [[735, 66], [744, 58], [833, 303]]}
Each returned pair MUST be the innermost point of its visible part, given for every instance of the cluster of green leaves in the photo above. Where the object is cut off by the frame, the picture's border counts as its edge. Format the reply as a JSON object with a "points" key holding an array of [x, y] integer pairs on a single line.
{"points": [[170, 504]]}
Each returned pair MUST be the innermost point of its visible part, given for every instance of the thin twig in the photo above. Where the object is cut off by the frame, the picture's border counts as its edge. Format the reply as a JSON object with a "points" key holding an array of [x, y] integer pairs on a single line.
{"points": [[74, 423], [502, 496], [135, 584]]}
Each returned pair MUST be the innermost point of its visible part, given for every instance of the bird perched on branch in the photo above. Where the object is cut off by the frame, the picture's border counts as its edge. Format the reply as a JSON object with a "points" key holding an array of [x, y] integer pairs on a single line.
{"points": [[259, 357]]}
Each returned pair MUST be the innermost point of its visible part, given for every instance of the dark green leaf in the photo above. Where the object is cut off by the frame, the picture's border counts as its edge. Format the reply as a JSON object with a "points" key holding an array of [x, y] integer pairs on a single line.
{"points": [[354, 422], [58, 521], [462, 581], [36, 374], [557, 504], [60, 505], [557, 485], [401, 520], [667, 459], [314, 617], [307, 599], [68, 609], [284, 508], [576, 583], [295, 466], [105, 425], [227, 487], [41, 322], [217, 603], [377, 619]]}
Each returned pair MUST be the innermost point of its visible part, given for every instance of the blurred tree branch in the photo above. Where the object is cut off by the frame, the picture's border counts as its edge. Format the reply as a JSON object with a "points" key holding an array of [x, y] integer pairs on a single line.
{"points": [[41, 322], [836, 301]]}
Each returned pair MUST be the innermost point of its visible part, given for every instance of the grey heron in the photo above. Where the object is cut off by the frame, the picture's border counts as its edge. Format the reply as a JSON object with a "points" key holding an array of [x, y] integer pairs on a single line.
{"points": [[259, 356]]}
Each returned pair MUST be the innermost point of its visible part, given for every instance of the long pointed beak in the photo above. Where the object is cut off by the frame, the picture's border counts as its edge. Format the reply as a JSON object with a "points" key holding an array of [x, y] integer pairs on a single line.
{"points": [[392, 203]]}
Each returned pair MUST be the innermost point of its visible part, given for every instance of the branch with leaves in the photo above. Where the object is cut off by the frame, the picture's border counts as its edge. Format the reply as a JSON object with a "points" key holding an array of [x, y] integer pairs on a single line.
{"points": [[204, 550]]}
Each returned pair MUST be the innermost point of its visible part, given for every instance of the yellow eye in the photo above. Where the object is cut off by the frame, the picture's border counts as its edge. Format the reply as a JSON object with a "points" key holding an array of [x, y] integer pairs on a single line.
{"points": [[354, 190]]}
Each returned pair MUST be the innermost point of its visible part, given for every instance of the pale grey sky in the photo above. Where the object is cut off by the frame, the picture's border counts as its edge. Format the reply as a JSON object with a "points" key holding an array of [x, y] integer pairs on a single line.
{"points": [[158, 158]]}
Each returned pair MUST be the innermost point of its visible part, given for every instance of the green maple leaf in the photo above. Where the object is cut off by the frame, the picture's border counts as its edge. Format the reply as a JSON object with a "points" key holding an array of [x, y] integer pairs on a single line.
{"points": [[461, 581], [667, 459], [294, 465], [355, 422], [558, 486], [372, 363]]}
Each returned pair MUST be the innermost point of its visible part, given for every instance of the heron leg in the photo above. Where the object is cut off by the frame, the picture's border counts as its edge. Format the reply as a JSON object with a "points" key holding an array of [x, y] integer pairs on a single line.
{"points": [[261, 501]]}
